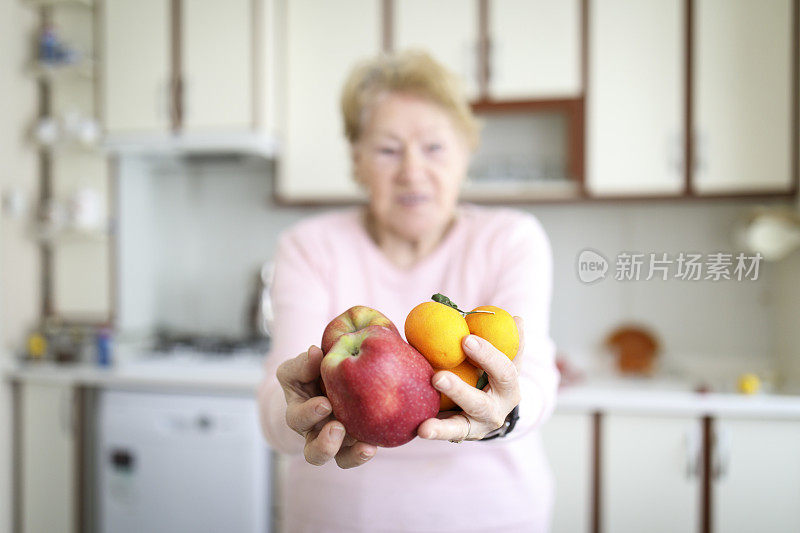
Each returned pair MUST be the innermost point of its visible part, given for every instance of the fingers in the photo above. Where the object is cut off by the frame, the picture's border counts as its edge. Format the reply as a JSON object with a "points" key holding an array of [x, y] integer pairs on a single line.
{"points": [[456, 427], [501, 371], [474, 402], [302, 369], [521, 331], [355, 455], [302, 416], [321, 446]]}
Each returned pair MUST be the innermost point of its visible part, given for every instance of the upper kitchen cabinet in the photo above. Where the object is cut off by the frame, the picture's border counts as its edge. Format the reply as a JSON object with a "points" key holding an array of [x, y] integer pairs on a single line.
{"points": [[505, 50], [319, 54], [635, 98], [217, 51], [136, 66], [448, 29], [189, 74], [534, 49], [742, 96]]}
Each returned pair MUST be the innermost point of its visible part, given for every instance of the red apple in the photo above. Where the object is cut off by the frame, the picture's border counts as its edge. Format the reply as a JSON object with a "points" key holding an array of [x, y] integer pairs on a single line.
{"points": [[379, 386], [356, 318]]}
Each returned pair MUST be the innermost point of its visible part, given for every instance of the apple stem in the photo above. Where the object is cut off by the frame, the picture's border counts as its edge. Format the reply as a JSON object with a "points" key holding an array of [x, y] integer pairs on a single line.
{"points": [[442, 299]]}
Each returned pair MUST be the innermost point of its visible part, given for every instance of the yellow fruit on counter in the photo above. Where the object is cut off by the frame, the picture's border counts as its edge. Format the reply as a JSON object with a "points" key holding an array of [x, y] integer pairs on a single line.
{"points": [[749, 384]]}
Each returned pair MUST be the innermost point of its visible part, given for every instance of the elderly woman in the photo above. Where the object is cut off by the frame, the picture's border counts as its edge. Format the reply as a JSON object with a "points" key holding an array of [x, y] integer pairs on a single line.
{"points": [[411, 135]]}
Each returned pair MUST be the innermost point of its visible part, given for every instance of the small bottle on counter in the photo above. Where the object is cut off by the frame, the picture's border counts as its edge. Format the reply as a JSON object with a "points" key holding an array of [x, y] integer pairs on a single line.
{"points": [[104, 347]]}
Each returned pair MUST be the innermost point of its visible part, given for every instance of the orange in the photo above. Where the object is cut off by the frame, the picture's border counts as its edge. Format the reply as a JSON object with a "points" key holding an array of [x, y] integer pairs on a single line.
{"points": [[498, 328], [436, 330], [469, 374]]}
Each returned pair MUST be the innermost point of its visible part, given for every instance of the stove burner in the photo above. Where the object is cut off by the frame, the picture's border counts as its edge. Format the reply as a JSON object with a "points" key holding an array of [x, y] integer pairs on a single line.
{"points": [[210, 344]]}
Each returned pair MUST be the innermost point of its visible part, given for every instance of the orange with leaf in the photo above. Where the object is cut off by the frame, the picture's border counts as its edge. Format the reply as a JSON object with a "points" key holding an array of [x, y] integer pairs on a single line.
{"points": [[437, 328]]}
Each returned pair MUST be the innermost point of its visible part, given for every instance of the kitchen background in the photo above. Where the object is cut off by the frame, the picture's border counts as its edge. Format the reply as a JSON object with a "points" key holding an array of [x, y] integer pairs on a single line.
{"points": [[147, 170]]}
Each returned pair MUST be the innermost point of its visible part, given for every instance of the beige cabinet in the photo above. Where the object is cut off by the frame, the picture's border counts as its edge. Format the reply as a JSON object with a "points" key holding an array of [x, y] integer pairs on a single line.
{"points": [[635, 98], [136, 66], [742, 96], [567, 439], [48, 458], [191, 68], [534, 49], [217, 51], [755, 475], [650, 473], [448, 29], [319, 55]]}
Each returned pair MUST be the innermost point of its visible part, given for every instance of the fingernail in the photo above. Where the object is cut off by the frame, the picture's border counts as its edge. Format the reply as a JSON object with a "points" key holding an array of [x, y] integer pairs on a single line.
{"points": [[442, 383], [337, 432], [471, 342], [431, 435], [323, 409], [366, 455]]}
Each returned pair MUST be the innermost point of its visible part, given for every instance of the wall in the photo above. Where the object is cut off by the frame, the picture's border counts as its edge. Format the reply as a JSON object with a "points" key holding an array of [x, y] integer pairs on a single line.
{"points": [[194, 235], [19, 257]]}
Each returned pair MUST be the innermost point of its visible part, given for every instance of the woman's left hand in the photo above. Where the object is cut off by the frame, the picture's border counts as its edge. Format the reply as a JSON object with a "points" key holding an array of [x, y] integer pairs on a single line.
{"points": [[483, 410]]}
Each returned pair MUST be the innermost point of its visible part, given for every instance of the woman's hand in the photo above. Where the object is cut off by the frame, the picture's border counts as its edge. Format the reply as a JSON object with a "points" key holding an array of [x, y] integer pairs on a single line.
{"points": [[483, 410], [309, 414]]}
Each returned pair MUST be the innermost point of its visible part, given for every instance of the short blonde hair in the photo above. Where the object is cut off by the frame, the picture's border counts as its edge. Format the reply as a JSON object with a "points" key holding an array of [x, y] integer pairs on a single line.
{"points": [[412, 72]]}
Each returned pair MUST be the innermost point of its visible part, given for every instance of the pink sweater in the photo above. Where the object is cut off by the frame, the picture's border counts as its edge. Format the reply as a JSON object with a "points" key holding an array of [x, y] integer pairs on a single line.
{"points": [[491, 256]]}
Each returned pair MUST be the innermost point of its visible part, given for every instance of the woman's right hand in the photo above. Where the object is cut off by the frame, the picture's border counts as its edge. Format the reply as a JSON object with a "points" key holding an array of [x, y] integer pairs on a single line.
{"points": [[309, 414]]}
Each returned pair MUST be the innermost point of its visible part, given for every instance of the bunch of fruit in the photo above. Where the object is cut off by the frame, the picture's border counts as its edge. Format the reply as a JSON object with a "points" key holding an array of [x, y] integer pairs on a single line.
{"points": [[379, 385]]}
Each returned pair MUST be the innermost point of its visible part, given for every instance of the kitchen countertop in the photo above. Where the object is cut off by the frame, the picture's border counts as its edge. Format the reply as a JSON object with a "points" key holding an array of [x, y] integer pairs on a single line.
{"points": [[238, 375], [242, 375]]}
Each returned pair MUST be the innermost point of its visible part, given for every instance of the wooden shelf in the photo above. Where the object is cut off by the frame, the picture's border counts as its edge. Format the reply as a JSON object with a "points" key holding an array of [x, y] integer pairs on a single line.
{"points": [[88, 4]]}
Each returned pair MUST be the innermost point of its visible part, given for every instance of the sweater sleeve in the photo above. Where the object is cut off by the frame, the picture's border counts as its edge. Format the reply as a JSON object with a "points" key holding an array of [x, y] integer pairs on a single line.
{"points": [[300, 301], [524, 288]]}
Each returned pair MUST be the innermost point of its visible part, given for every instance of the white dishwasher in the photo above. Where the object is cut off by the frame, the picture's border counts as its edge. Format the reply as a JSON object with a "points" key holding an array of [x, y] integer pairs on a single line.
{"points": [[181, 463]]}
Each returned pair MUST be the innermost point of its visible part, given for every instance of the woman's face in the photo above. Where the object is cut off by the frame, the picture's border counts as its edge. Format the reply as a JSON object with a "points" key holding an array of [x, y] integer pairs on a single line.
{"points": [[412, 160]]}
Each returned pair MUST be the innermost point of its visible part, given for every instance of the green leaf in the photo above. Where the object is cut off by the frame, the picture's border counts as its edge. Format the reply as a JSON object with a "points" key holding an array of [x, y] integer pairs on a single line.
{"points": [[442, 299], [482, 381]]}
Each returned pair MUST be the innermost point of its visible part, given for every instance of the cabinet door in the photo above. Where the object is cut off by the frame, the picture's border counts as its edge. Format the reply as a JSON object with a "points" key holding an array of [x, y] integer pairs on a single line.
{"points": [[48, 458], [447, 29], [756, 475], [217, 50], [319, 57], [567, 439], [650, 474], [635, 98], [136, 44], [742, 97], [535, 49]]}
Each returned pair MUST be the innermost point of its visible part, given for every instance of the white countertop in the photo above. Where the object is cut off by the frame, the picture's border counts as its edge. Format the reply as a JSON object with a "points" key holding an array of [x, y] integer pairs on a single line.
{"points": [[242, 376]]}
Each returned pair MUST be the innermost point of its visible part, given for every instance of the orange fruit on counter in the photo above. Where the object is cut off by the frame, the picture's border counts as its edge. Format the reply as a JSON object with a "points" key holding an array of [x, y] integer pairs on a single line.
{"points": [[469, 374], [436, 330], [498, 328]]}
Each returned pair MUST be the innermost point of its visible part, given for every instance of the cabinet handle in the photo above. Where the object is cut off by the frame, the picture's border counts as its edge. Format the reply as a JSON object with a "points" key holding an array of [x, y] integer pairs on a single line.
{"points": [[700, 144], [692, 443], [721, 456], [162, 100], [676, 155]]}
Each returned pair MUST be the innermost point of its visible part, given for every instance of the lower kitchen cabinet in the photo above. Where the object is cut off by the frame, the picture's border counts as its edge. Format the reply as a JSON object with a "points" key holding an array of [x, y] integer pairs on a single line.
{"points": [[48, 420], [756, 475], [567, 439], [650, 473]]}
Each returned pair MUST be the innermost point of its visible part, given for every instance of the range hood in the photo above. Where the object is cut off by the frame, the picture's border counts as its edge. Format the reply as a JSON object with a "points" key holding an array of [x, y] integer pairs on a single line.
{"points": [[259, 144]]}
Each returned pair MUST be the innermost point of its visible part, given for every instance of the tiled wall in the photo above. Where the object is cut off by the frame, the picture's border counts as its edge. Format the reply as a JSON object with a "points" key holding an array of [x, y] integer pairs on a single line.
{"points": [[193, 237]]}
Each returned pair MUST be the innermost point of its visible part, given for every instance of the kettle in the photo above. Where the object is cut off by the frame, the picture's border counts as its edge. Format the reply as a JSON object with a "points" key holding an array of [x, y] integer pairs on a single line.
{"points": [[261, 315]]}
